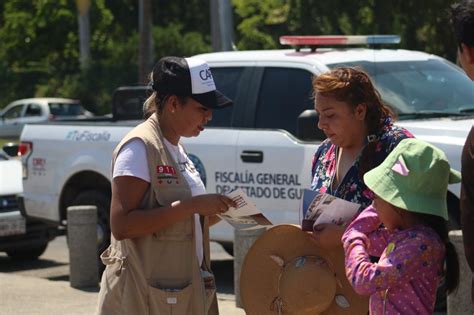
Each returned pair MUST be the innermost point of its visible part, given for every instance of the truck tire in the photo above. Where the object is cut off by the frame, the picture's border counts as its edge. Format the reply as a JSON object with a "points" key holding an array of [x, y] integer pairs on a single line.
{"points": [[102, 202], [27, 253]]}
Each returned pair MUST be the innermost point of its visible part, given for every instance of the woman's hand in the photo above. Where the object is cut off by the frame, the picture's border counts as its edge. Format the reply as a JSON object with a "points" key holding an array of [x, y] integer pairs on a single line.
{"points": [[327, 236], [211, 204]]}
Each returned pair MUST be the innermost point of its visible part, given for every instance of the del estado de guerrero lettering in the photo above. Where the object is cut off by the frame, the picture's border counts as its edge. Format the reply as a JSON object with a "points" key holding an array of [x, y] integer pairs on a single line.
{"points": [[260, 185]]}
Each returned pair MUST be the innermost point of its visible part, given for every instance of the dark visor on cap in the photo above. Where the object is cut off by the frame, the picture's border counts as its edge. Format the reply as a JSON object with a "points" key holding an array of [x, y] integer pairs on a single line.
{"points": [[213, 99]]}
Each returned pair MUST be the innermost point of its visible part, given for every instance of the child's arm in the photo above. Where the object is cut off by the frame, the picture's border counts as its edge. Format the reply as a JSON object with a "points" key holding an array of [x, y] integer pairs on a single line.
{"points": [[406, 259], [368, 223]]}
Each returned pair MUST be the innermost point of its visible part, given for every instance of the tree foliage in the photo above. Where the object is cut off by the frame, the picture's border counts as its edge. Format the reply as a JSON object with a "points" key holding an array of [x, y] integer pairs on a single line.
{"points": [[39, 55], [422, 24]]}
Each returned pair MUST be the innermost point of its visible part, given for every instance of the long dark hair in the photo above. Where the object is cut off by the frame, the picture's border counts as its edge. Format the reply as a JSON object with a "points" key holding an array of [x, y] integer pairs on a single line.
{"points": [[354, 86], [440, 225]]}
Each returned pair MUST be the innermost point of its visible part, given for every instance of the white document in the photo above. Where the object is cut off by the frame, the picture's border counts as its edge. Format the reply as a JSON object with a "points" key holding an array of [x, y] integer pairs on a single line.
{"points": [[246, 215]]}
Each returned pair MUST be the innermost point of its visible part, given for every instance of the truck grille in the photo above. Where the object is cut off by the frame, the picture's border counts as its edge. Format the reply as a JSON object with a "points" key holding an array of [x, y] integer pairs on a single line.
{"points": [[8, 203]]}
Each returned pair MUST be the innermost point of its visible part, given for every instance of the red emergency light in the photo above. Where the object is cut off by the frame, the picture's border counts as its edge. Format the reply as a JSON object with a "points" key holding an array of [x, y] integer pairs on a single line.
{"points": [[334, 40]]}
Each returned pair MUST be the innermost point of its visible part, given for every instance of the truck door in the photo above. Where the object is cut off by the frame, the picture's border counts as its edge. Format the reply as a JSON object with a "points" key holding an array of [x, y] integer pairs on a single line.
{"points": [[273, 166], [214, 152], [11, 121], [34, 113]]}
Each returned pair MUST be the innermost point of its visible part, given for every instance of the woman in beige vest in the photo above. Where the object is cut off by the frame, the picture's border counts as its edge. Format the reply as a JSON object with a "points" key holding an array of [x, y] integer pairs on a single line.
{"points": [[158, 261]]}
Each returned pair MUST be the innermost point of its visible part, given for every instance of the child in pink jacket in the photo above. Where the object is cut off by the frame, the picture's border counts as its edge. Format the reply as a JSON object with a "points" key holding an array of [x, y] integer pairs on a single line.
{"points": [[410, 189]]}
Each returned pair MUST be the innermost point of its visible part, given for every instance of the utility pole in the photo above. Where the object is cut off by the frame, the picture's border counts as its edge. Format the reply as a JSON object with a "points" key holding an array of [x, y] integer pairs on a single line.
{"points": [[84, 31], [145, 52], [215, 32], [222, 25]]}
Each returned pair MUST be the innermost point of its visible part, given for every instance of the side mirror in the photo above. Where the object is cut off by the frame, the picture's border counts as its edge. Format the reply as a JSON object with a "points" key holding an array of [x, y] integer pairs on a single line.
{"points": [[307, 126], [11, 149]]}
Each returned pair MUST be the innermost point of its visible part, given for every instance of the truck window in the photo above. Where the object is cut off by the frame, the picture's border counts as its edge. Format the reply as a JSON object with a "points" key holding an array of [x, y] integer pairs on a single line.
{"points": [[14, 112], [284, 94], [66, 109], [33, 110], [420, 87], [226, 80], [128, 102]]}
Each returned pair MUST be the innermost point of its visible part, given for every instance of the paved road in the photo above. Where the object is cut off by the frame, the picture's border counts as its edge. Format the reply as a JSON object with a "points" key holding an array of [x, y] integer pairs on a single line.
{"points": [[42, 286]]}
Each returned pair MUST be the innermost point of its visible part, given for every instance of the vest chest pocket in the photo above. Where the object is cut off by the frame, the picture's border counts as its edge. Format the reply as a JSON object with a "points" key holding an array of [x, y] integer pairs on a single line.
{"points": [[170, 301], [168, 190]]}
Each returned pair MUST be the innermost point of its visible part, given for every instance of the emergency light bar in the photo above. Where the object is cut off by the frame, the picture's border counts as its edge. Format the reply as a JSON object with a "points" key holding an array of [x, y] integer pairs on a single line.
{"points": [[339, 40]]}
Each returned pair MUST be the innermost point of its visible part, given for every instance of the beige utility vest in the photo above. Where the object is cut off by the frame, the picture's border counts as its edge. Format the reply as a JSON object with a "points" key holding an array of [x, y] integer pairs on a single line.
{"points": [[158, 273]]}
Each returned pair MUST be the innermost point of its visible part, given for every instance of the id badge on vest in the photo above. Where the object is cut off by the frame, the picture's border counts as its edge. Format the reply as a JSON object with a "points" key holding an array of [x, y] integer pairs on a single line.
{"points": [[166, 175]]}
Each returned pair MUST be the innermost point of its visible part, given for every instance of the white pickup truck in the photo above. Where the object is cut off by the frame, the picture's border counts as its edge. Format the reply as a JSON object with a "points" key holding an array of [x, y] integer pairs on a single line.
{"points": [[263, 144]]}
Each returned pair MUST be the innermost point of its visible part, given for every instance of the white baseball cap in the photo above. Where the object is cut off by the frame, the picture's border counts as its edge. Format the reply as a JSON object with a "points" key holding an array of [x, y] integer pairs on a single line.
{"points": [[188, 77]]}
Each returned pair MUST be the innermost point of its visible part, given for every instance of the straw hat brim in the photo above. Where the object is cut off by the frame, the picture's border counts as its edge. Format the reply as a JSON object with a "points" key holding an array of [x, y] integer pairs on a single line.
{"points": [[259, 273]]}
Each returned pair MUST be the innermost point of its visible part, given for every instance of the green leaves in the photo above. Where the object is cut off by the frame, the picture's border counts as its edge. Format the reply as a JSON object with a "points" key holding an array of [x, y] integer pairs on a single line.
{"points": [[261, 22], [422, 24], [39, 55], [173, 40]]}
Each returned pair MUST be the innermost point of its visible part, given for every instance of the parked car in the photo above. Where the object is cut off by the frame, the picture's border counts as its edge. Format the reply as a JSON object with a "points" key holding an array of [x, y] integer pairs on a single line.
{"points": [[20, 237], [30, 110]]}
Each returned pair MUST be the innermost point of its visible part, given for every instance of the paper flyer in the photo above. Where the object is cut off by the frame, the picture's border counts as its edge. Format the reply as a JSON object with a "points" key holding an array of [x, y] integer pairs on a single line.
{"points": [[246, 215], [318, 208]]}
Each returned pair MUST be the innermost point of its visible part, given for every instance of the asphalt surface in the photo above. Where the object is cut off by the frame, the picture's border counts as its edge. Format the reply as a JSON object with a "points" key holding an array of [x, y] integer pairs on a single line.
{"points": [[42, 286]]}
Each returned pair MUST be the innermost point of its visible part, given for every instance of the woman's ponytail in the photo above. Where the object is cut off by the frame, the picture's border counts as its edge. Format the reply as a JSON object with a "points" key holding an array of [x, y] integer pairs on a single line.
{"points": [[452, 262], [156, 101]]}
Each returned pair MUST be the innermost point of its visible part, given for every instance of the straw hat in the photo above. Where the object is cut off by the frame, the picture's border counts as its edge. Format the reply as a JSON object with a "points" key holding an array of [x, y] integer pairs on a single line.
{"points": [[284, 272]]}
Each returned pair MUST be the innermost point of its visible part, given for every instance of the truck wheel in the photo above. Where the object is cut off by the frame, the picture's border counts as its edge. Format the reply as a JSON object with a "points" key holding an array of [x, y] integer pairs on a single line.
{"points": [[27, 253], [102, 201]]}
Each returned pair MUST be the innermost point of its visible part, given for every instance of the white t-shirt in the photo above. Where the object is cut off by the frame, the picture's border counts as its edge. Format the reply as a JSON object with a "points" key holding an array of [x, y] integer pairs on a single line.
{"points": [[126, 165]]}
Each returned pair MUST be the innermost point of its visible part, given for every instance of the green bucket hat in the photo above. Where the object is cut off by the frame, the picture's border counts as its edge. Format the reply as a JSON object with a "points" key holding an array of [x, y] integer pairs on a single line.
{"points": [[414, 177]]}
